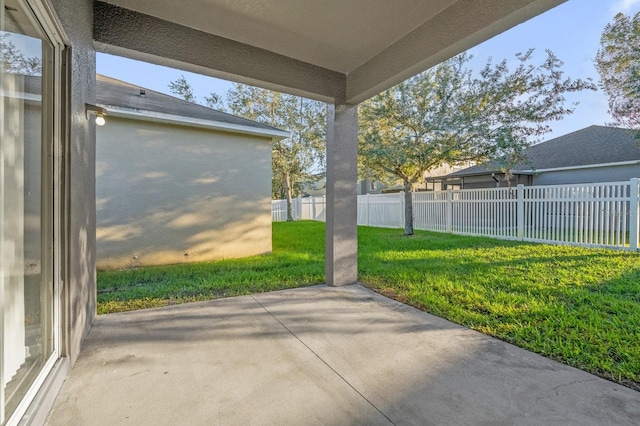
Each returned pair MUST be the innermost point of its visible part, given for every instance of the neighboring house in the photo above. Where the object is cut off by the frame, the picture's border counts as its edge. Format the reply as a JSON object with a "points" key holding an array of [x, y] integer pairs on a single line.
{"points": [[427, 184], [433, 185], [592, 154], [177, 181], [315, 188]]}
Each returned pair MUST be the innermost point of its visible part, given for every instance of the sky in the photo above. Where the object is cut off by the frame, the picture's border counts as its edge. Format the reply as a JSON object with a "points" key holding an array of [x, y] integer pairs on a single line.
{"points": [[572, 31]]}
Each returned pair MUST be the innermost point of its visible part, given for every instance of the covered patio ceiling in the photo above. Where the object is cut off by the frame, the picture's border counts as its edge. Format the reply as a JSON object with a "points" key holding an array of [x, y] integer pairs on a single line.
{"points": [[332, 50]]}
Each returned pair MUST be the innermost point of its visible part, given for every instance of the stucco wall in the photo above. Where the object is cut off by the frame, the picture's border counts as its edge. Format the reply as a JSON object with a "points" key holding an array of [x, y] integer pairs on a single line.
{"points": [[171, 194], [599, 174], [78, 314]]}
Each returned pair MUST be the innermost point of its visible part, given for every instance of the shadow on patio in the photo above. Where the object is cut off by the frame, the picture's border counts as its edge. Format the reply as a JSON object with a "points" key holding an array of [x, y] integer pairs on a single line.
{"points": [[321, 355]]}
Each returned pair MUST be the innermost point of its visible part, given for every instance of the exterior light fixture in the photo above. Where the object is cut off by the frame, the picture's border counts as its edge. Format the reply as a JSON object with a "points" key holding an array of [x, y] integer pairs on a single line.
{"points": [[98, 111]]}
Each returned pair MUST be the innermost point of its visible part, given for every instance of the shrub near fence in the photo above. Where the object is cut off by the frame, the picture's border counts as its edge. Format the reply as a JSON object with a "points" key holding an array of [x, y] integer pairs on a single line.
{"points": [[592, 215]]}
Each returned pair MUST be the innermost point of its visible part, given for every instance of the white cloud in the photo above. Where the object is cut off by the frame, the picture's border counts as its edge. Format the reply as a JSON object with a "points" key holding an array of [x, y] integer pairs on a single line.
{"points": [[625, 5]]}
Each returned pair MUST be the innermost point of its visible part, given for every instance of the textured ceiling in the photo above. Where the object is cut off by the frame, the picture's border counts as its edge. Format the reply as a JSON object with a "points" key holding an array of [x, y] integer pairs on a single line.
{"points": [[344, 50], [336, 34]]}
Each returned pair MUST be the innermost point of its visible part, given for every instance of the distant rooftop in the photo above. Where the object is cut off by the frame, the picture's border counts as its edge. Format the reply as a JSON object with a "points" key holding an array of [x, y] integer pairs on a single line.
{"points": [[111, 92], [588, 146]]}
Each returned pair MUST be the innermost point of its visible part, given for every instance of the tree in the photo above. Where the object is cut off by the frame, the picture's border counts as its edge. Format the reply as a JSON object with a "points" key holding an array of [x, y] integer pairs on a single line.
{"points": [[618, 63], [12, 60], [448, 115], [298, 158], [182, 89], [214, 101]]}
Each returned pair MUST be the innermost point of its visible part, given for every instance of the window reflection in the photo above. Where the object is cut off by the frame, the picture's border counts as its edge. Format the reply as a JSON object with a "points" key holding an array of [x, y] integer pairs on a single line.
{"points": [[25, 293]]}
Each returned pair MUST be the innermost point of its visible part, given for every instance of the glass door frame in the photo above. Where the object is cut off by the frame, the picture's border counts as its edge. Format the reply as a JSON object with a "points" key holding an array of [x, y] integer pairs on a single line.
{"points": [[53, 191]]}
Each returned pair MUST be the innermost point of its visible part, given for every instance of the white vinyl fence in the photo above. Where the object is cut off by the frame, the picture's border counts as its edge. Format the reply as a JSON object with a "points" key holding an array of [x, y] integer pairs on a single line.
{"points": [[309, 208], [591, 215]]}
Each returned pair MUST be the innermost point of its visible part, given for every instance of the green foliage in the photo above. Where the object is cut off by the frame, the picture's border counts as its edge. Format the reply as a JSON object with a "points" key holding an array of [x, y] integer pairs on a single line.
{"points": [[579, 306], [182, 89], [13, 60], [214, 101], [618, 62], [403, 130], [448, 115], [296, 158]]}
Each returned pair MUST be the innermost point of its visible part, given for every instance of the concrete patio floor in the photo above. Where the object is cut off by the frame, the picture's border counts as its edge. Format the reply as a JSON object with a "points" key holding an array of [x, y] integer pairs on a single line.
{"points": [[321, 355]]}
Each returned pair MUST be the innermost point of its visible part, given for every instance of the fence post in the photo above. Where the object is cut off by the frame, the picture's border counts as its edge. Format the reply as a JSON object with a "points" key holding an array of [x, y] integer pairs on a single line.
{"points": [[324, 208], [520, 211], [449, 210], [401, 194], [296, 209], [634, 214], [366, 205]]}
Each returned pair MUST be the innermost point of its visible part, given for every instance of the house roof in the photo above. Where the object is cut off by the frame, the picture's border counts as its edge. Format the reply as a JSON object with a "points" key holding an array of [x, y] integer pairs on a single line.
{"points": [[592, 145], [124, 99], [111, 92]]}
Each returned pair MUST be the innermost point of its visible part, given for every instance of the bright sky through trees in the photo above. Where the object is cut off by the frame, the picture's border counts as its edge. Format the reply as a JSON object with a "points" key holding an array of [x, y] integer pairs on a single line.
{"points": [[572, 31]]}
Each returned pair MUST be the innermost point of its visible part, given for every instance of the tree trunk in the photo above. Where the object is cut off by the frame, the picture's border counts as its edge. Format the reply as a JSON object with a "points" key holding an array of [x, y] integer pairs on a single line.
{"points": [[408, 209], [287, 187]]}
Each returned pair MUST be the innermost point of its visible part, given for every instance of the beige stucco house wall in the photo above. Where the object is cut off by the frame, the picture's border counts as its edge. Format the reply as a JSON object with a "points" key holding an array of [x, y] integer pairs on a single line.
{"points": [[171, 189]]}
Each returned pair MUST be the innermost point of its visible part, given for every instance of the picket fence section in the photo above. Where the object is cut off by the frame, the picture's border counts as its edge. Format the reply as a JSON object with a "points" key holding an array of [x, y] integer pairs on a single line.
{"points": [[308, 208], [590, 215]]}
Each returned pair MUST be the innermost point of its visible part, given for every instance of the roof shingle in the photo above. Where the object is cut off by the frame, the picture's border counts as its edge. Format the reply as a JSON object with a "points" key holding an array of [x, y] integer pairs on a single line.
{"points": [[591, 145], [111, 92]]}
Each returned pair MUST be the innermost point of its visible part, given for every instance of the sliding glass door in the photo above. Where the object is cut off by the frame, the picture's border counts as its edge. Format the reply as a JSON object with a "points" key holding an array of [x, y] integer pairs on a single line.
{"points": [[27, 125]]}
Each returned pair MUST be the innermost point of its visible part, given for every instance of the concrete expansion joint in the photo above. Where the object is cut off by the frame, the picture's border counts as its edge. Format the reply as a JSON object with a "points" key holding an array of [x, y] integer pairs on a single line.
{"points": [[323, 361]]}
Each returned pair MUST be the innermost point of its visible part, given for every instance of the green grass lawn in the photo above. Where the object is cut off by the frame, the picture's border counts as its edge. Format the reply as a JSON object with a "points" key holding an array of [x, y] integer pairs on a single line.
{"points": [[297, 260], [579, 306]]}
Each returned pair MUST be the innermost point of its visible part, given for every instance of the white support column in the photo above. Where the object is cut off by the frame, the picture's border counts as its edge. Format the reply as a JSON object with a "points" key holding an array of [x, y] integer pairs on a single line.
{"points": [[342, 197]]}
